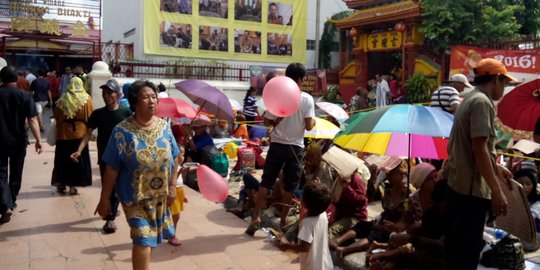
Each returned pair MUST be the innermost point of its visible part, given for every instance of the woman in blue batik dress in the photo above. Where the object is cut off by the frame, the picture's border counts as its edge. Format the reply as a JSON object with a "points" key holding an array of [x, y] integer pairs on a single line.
{"points": [[140, 158]]}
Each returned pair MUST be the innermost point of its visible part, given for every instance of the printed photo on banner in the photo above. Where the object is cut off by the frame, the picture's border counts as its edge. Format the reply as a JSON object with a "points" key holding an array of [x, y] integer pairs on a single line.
{"points": [[213, 38], [179, 6], [247, 10], [279, 44], [247, 41], [519, 63], [280, 13], [214, 8], [175, 35]]}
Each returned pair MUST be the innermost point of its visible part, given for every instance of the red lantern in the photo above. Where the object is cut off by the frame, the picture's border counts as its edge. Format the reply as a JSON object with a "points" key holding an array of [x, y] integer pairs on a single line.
{"points": [[353, 32], [400, 27]]}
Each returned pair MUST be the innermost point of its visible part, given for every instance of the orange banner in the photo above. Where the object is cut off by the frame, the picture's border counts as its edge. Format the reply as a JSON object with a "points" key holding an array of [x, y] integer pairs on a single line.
{"points": [[522, 64]]}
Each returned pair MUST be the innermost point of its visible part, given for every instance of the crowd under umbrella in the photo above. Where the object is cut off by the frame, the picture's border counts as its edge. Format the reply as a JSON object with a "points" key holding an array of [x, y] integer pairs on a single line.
{"points": [[404, 131], [519, 110], [208, 98]]}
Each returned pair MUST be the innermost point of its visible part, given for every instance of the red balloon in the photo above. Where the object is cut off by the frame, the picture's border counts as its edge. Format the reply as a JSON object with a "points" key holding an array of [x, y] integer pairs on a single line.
{"points": [[281, 96], [212, 186]]}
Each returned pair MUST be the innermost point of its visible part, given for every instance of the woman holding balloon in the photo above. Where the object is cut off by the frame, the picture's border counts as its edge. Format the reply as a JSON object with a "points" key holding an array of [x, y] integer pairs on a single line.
{"points": [[141, 162], [290, 112]]}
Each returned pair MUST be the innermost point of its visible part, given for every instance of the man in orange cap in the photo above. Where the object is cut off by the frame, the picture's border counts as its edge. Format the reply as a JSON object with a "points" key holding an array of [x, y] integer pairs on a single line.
{"points": [[474, 177]]}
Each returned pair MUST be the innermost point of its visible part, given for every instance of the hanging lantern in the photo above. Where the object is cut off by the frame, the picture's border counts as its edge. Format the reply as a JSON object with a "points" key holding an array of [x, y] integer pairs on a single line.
{"points": [[399, 27], [353, 32]]}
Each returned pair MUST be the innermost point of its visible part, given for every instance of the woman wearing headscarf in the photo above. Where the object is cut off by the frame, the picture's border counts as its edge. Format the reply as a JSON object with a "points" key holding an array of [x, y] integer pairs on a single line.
{"points": [[73, 109], [424, 176], [142, 167]]}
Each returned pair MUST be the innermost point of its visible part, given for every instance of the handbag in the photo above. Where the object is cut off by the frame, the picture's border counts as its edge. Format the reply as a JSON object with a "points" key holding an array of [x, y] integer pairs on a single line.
{"points": [[51, 134], [507, 253]]}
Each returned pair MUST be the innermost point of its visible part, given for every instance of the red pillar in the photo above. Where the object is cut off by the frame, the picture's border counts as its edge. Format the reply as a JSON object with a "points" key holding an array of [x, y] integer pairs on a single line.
{"points": [[362, 66]]}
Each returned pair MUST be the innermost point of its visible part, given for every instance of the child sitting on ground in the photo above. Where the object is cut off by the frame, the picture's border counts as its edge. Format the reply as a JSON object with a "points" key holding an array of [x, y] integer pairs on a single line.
{"points": [[240, 128], [313, 234]]}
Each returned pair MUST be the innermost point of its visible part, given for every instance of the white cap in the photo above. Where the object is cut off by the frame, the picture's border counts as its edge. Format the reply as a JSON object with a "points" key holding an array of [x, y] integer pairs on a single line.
{"points": [[462, 79]]}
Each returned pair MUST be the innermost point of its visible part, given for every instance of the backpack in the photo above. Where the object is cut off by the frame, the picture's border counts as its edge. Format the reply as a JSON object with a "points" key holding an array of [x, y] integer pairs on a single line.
{"points": [[213, 158], [507, 253], [246, 159]]}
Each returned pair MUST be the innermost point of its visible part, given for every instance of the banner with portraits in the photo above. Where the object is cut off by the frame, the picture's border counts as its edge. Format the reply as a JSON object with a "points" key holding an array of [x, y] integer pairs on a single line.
{"points": [[243, 30], [314, 83]]}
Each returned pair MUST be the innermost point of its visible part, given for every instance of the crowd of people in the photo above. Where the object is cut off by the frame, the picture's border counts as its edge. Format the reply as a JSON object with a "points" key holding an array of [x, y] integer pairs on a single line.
{"points": [[433, 215], [438, 225]]}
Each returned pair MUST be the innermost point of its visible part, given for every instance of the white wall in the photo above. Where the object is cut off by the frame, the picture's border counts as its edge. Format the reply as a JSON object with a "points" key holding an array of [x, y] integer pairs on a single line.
{"points": [[120, 16], [328, 8]]}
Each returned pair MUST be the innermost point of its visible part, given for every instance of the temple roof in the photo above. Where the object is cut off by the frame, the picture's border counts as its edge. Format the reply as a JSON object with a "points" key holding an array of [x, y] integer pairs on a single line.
{"points": [[395, 11], [360, 4]]}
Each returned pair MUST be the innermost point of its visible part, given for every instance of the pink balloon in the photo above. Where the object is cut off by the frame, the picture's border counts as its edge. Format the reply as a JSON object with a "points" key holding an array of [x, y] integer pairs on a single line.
{"points": [[212, 186], [281, 96]]}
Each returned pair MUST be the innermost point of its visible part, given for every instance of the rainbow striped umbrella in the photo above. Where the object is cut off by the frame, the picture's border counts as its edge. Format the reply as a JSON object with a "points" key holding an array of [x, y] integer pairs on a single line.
{"points": [[404, 130]]}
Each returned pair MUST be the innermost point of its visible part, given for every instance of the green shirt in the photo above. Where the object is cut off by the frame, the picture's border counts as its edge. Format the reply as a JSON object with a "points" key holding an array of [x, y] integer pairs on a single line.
{"points": [[474, 118]]}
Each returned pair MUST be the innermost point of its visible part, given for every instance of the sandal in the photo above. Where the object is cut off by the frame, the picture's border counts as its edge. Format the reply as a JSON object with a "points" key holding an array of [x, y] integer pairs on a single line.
{"points": [[73, 191], [173, 241], [252, 228], [61, 189]]}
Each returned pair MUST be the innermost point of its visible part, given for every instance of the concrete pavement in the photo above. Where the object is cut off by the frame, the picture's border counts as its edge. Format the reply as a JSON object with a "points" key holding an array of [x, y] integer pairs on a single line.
{"points": [[53, 231]]}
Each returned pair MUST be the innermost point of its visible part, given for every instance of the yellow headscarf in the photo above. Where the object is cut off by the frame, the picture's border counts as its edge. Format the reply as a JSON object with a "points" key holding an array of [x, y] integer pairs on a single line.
{"points": [[73, 99]]}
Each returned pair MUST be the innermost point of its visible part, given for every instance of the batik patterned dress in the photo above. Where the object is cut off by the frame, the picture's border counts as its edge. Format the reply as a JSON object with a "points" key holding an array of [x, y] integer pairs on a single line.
{"points": [[144, 160]]}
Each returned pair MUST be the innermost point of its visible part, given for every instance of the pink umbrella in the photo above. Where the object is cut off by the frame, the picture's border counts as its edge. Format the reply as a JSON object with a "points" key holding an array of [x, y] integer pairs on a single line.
{"points": [[175, 108], [334, 110]]}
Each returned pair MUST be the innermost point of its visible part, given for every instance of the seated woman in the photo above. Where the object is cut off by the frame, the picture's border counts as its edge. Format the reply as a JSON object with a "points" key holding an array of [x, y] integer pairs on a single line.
{"points": [[220, 129], [394, 218], [200, 140], [350, 200], [419, 248], [316, 169], [528, 178], [240, 129], [424, 176]]}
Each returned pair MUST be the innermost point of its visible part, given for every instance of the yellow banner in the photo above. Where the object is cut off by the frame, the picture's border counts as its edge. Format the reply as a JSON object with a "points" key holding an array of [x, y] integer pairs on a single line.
{"points": [[384, 41], [243, 30]]}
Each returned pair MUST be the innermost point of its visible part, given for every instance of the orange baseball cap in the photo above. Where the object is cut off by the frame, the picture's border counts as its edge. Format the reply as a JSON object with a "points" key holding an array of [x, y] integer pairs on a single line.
{"points": [[491, 66]]}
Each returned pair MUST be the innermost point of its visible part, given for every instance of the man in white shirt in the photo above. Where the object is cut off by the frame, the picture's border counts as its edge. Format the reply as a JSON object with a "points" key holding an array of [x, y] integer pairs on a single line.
{"points": [[286, 150], [382, 91], [29, 76]]}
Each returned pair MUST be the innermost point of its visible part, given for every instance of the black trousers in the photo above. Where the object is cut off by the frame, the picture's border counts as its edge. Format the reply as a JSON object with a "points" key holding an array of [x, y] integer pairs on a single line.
{"points": [[467, 216], [114, 198], [287, 157], [250, 123], [12, 158]]}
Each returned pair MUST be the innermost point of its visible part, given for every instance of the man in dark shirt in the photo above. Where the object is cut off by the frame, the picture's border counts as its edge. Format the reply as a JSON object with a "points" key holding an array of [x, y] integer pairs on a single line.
{"points": [[16, 106], [105, 119], [40, 87]]}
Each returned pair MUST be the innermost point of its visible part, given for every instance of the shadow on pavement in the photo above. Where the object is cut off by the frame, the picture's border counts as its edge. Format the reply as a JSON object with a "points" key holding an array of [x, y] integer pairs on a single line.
{"points": [[110, 250], [50, 228]]}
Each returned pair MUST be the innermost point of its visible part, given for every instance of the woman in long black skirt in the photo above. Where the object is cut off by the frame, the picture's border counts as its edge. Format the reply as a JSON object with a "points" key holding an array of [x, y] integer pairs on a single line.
{"points": [[72, 111]]}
